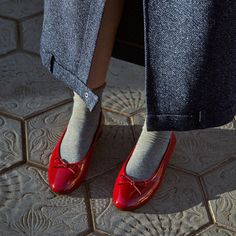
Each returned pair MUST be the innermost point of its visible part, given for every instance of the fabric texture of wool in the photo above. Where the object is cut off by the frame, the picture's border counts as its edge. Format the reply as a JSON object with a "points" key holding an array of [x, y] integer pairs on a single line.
{"points": [[190, 57]]}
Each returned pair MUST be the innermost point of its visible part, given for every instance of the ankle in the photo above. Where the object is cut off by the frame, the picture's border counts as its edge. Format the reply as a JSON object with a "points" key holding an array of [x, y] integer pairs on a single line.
{"points": [[101, 87]]}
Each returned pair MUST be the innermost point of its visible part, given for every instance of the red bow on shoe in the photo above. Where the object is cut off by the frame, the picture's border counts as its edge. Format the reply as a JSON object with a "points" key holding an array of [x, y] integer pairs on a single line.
{"points": [[132, 182], [70, 166]]}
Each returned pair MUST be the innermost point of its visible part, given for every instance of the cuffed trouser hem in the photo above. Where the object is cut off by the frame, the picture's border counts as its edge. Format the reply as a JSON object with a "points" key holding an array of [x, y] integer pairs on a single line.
{"points": [[77, 77], [69, 79], [201, 120]]}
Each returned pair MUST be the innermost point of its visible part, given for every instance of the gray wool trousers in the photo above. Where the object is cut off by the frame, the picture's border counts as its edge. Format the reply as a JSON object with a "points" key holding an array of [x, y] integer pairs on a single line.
{"points": [[190, 57]]}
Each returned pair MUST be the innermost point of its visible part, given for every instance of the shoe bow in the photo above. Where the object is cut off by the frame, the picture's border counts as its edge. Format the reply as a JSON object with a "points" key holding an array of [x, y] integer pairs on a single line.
{"points": [[130, 181], [70, 166]]}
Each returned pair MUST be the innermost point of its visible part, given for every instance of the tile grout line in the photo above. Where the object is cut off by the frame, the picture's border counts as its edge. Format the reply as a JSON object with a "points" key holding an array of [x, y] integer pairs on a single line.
{"points": [[92, 217], [37, 165], [92, 223], [11, 116], [19, 35], [227, 227], [219, 165], [205, 196], [45, 110], [12, 167], [201, 229], [189, 172], [21, 20]]}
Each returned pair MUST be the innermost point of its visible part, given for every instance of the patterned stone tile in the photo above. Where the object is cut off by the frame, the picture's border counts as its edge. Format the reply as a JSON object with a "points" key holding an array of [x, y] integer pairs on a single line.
{"points": [[123, 74], [44, 131], [220, 187], [125, 101], [10, 142], [18, 9], [114, 145], [31, 32], [28, 207], [200, 150], [177, 208], [8, 36], [27, 87], [216, 231]]}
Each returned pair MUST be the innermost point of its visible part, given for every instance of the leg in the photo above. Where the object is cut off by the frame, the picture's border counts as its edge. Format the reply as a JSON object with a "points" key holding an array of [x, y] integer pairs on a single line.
{"points": [[148, 153], [83, 123], [105, 42]]}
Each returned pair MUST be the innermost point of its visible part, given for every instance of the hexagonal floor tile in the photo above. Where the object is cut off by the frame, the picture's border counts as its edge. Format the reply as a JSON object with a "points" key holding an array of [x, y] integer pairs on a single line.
{"points": [[8, 36], [27, 87], [216, 231], [44, 131], [18, 9], [220, 186], [124, 101], [114, 145], [177, 208], [200, 150], [28, 207], [31, 33], [10, 142]]}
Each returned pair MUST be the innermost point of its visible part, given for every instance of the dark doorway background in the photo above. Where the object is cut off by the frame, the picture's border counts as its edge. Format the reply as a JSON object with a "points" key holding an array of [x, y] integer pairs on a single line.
{"points": [[129, 43]]}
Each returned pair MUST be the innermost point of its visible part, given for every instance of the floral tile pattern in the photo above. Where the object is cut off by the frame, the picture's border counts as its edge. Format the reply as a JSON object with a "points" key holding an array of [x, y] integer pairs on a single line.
{"points": [[201, 150], [198, 192], [176, 209], [28, 207], [221, 193], [27, 75], [216, 231], [10, 142], [44, 131]]}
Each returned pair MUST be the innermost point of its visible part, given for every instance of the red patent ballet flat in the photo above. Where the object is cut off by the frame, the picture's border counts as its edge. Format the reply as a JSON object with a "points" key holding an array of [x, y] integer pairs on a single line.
{"points": [[129, 194], [65, 177]]}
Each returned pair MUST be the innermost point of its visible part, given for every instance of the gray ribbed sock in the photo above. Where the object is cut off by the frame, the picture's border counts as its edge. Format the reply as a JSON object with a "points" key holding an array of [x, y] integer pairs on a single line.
{"points": [[81, 128], [148, 153]]}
